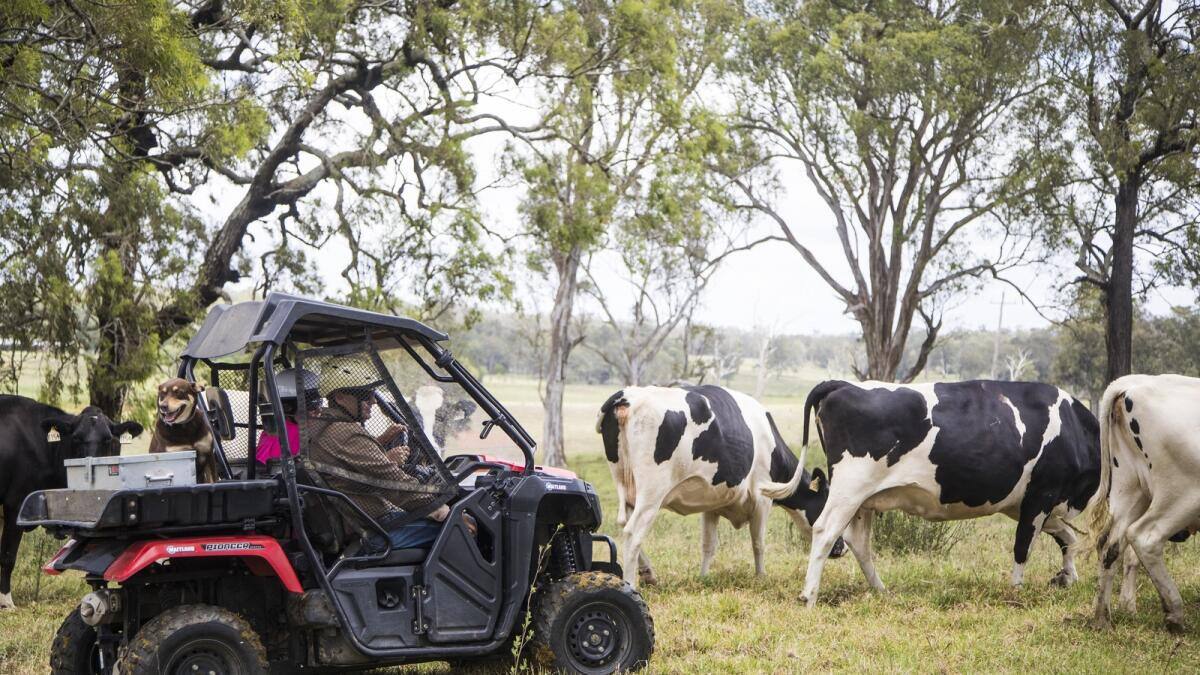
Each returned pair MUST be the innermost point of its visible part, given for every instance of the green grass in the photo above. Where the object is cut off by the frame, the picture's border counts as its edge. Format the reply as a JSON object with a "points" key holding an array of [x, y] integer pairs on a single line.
{"points": [[947, 613]]}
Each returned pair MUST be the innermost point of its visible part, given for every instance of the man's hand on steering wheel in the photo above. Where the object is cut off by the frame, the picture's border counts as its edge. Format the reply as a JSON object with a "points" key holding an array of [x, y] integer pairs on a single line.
{"points": [[394, 436]]}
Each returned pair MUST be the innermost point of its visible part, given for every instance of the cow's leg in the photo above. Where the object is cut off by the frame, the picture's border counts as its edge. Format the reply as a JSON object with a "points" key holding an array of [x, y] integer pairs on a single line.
{"points": [[838, 512], [10, 541], [1128, 600], [758, 534], [1028, 525], [1148, 535], [636, 528], [1108, 550], [708, 540], [622, 500], [858, 538], [1065, 537], [645, 571]]}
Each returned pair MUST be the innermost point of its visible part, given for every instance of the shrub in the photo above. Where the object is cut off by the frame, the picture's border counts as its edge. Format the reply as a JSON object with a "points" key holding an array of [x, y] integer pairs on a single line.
{"points": [[901, 533]]}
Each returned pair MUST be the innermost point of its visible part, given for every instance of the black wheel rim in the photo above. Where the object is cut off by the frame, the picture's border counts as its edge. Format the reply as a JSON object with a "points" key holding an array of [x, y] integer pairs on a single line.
{"points": [[598, 638], [204, 657]]}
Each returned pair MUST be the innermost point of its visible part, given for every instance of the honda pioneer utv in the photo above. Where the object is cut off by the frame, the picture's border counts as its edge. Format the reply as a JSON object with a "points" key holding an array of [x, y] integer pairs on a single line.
{"points": [[289, 563]]}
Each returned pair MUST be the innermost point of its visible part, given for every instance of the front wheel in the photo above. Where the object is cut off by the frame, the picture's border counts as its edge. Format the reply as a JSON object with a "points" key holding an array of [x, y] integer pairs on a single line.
{"points": [[194, 639], [74, 650], [593, 623]]}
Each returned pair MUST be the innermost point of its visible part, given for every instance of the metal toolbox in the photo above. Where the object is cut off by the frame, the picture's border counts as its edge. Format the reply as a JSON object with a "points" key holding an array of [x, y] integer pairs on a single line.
{"points": [[164, 469]]}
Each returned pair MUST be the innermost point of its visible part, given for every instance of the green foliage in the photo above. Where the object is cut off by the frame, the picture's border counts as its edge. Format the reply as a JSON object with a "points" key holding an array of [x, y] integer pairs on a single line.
{"points": [[901, 533], [915, 123]]}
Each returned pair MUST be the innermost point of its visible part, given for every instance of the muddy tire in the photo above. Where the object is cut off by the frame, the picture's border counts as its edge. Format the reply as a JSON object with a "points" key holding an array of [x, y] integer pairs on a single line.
{"points": [[594, 623], [194, 638], [74, 649]]}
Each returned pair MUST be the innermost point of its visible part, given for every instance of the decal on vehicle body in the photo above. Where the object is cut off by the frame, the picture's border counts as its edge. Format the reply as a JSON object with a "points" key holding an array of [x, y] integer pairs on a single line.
{"points": [[172, 550], [233, 546]]}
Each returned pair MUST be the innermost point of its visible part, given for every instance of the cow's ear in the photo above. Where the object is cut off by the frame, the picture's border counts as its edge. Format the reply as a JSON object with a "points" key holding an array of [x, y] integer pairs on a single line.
{"points": [[58, 426], [132, 428], [819, 482]]}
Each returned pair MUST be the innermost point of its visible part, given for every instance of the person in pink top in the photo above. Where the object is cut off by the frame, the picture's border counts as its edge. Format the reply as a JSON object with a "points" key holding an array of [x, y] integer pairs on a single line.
{"points": [[269, 447]]}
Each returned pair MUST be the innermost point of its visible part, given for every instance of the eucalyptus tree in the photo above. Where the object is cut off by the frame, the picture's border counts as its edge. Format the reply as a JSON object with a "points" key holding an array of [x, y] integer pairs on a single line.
{"points": [[277, 108], [657, 263], [1130, 72], [617, 88], [914, 122]]}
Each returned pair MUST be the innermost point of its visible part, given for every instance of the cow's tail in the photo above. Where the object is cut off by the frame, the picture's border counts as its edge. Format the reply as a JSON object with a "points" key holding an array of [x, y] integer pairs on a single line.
{"points": [[778, 491], [1110, 416], [814, 399], [610, 424]]}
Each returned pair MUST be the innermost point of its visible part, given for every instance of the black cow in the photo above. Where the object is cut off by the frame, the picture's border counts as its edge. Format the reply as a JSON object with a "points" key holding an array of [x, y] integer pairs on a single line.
{"points": [[704, 449], [950, 451], [31, 460]]}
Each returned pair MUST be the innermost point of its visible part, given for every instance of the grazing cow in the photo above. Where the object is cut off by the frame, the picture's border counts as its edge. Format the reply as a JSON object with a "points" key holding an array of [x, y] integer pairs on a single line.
{"points": [[34, 440], [439, 417], [707, 450], [950, 451], [1150, 467]]}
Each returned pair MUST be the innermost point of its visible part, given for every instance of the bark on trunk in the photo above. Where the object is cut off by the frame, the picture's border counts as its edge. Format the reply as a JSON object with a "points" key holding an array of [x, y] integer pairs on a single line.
{"points": [[553, 451], [1118, 295]]}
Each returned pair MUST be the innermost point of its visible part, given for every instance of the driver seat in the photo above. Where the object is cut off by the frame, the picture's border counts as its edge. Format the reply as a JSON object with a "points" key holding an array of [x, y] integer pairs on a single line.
{"points": [[332, 525]]}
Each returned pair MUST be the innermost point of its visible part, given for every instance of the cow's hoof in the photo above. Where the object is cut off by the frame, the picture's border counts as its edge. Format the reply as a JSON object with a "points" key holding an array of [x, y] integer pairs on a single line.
{"points": [[647, 578], [1100, 623], [6, 601], [1127, 606], [1175, 627], [1063, 579]]}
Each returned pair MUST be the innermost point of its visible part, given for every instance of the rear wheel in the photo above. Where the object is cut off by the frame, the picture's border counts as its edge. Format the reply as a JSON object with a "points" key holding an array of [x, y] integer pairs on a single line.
{"points": [[194, 639], [74, 650], [594, 623]]}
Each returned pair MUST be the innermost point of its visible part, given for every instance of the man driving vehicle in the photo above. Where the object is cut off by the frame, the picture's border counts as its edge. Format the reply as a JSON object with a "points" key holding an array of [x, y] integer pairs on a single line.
{"points": [[375, 473]]}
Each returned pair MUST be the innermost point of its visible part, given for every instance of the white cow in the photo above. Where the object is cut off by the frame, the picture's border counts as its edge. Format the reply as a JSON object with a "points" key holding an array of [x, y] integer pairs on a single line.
{"points": [[1150, 470], [707, 450]]}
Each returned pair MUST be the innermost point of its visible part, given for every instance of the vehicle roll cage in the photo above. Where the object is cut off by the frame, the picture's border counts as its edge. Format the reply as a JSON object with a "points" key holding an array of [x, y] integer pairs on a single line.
{"points": [[452, 371]]}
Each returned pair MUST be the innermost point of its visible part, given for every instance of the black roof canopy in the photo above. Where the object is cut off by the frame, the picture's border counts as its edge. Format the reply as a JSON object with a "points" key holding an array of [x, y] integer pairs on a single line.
{"points": [[281, 317]]}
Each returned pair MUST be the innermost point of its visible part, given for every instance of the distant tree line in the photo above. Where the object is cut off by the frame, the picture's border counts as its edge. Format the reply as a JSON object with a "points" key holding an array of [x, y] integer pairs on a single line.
{"points": [[1070, 355]]}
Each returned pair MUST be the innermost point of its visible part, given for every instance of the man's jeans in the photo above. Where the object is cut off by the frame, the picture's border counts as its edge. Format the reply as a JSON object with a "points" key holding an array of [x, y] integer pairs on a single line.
{"points": [[420, 533]]}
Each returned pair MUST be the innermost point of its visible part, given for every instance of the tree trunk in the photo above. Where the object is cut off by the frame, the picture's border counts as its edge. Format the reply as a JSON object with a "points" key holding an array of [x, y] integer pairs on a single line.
{"points": [[1118, 295], [553, 452], [764, 353]]}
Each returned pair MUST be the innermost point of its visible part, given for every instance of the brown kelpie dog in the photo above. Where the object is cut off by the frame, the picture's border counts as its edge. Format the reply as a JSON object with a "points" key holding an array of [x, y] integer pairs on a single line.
{"points": [[180, 426]]}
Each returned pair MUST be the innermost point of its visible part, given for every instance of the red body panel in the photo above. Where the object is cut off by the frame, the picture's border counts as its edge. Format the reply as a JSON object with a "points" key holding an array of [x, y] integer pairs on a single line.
{"points": [[265, 556], [548, 470], [49, 567]]}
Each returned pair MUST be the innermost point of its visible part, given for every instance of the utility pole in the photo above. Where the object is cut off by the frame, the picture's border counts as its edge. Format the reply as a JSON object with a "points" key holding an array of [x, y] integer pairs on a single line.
{"points": [[996, 343]]}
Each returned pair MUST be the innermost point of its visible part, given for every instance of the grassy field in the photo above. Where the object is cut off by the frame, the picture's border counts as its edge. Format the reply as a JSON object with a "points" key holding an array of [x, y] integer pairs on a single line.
{"points": [[945, 613]]}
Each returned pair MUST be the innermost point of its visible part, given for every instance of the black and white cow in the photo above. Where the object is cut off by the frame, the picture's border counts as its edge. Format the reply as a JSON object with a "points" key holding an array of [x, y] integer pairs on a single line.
{"points": [[440, 416], [950, 451], [707, 450], [30, 460], [1150, 454]]}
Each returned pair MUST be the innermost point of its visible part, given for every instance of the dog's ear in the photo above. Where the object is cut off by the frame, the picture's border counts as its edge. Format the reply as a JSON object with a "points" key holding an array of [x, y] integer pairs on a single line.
{"points": [[198, 387]]}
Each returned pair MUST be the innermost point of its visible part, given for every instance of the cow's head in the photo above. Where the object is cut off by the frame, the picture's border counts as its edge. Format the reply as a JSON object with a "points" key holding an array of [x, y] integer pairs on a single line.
{"points": [[88, 434], [806, 504], [177, 400]]}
